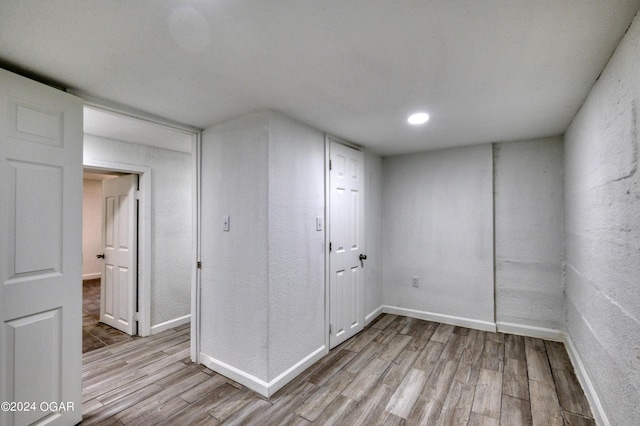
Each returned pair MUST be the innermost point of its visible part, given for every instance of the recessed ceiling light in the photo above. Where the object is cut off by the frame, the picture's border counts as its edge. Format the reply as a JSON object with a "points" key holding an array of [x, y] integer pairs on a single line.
{"points": [[418, 118]]}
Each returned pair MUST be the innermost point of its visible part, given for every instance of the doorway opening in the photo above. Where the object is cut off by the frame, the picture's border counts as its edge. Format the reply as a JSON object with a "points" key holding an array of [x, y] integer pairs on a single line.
{"points": [[165, 158], [110, 257]]}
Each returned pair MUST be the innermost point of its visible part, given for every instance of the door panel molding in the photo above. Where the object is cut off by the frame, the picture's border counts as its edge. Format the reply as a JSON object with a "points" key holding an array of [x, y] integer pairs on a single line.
{"points": [[344, 187], [119, 283], [40, 250]]}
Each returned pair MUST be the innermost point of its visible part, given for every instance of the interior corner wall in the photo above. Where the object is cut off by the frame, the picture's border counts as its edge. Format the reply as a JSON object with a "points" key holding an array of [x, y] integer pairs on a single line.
{"points": [[528, 200], [373, 266], [438, 227], [171, 220], [91, 228], [602, 233]]}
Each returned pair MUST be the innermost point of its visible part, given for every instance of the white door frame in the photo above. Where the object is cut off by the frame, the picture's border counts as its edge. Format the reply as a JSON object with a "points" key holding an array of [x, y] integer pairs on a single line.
{"points": [[196, 154], [144, 271], [144, 235], [327, 234]]}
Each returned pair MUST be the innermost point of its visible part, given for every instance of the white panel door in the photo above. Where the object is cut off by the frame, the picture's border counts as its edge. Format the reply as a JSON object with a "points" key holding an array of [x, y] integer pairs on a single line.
{"points": [[40, 253], [119, 283], [346, 228]]}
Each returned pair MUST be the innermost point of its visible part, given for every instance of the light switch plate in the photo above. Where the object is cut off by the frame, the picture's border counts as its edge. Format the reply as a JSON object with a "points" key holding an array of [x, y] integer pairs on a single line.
{"points": [[225, 223], [318, 223]]}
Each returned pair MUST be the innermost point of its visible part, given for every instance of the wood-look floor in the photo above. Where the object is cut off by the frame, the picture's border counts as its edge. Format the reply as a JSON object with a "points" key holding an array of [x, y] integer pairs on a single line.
{"points": [[399, 370]]}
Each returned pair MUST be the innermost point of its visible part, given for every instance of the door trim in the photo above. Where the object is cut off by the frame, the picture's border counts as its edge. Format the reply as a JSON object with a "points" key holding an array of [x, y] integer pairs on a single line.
{"points": [[196, 154], [144, 235]]}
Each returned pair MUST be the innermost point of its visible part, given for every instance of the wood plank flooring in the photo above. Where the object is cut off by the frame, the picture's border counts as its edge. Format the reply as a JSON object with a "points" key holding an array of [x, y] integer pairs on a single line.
{"points": [[398, 371]]}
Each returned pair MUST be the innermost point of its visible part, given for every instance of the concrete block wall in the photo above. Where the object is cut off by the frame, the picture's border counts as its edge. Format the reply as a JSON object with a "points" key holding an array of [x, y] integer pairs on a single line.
{"points": [[528, 199], [602, 234]]}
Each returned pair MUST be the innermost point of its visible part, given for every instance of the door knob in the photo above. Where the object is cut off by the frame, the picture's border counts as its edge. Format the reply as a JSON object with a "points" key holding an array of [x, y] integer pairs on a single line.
{"points": [[101, 256], [362, 256]]}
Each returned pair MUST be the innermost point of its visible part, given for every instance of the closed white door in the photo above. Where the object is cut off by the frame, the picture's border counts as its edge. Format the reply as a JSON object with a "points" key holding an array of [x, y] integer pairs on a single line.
{"points": [[119, 283], [40, 253], [346, 228]]}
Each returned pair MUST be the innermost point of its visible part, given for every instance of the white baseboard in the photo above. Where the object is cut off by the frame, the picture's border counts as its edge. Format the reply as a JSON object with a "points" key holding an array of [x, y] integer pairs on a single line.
{"points": [[91, 276], [446, 319], [373, 315], [531, 331], [290, 374], [235, 374], [258, 385], [583, 377], [159, 328]]}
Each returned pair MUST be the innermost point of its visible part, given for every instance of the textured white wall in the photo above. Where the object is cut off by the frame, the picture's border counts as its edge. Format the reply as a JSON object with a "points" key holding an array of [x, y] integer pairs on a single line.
{"points": [[296, 249], [438, 225], [235, 272], [91, 228], [602, 231], [263, 281], [171, 220], [373, 234], [528, 233]]}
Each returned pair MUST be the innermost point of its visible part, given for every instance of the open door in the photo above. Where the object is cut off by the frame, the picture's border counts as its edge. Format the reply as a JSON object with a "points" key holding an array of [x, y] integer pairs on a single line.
{"points": [[119, 238], [346, 235], [40, 253]]}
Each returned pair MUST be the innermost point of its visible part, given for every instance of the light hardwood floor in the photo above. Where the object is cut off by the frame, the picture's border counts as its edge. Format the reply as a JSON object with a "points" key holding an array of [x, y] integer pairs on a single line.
{"points": [[399, 370]]}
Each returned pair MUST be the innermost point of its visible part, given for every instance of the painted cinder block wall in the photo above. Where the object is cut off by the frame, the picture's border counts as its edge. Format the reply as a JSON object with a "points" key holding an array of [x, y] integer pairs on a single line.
{"points": [[171, 220], [602, 233], [528, 200], [438, 206]]}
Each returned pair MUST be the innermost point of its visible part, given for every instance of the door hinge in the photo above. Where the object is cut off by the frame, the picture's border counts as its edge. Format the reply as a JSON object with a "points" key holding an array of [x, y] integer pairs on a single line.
{"points": [[329, 246], [137, 194], [136, 316], [330, 165], [199, 265], [330, 329]]}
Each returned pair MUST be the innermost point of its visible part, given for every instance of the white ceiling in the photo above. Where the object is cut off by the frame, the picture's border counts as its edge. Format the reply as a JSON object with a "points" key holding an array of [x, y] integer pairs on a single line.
{"points": [[486, 71]]}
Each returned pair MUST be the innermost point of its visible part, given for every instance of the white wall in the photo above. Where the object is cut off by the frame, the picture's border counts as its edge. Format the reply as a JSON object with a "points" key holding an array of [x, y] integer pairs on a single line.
{"points": [[263, 281], [91, 228], [602, 232], [235, 268], [171, 220], [528, 233], [373, 276], [296, 249], [438, 226]]}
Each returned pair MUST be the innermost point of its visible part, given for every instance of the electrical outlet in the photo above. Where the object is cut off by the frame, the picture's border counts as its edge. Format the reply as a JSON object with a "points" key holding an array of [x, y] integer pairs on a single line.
{"points": [[415, 281]]}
